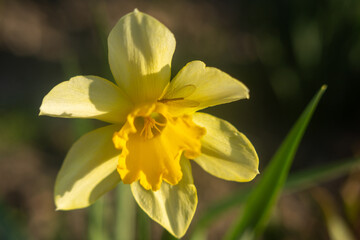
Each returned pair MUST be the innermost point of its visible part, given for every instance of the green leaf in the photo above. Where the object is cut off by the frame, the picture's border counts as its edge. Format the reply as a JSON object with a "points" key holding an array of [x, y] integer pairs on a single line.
{"points": [[215, 210], [260, 201], [301, 180], [311, 177]]}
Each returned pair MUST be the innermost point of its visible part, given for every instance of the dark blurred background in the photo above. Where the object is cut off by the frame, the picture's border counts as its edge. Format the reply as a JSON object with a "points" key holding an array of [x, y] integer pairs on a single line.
{"points": [[284, 51]]}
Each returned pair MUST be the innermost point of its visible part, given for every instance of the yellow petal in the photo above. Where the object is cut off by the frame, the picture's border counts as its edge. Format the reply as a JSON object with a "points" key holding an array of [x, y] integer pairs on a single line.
{"points": [[86, 97], [173, 207], [225, 152], [140, 53], [206, 86], [89, 170], [151, 148]]}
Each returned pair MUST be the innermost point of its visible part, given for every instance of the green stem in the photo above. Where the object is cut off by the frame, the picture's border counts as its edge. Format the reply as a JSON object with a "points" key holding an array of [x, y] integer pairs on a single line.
{"points": [[143, 225], [125, 213], [96, 221]]}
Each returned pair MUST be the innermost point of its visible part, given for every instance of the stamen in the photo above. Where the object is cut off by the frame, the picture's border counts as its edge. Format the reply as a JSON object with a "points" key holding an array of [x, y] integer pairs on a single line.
{"points": [[162, 140], [149, 124], [157, 129]]}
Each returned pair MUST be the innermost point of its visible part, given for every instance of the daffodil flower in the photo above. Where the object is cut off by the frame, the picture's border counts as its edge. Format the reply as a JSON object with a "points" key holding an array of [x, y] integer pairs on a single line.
{"points": [[154, 127]]}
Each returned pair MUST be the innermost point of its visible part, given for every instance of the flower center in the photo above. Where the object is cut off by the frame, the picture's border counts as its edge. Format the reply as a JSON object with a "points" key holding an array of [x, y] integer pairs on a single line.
{"points": [[152, 142], [150, 126]]}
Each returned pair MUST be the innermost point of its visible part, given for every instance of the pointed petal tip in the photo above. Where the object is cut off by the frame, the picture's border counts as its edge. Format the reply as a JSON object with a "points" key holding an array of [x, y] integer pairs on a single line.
{"points": [[66, 206], [183, 198], [136, 38], [41, 110], [58, 207], [247, 93], [255, 173]]}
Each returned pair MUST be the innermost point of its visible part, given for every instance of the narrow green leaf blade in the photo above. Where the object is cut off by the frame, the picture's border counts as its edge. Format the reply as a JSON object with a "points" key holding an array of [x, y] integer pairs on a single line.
{"points": [[216, 210], [298, 181], [311, 177], [263, 197]]}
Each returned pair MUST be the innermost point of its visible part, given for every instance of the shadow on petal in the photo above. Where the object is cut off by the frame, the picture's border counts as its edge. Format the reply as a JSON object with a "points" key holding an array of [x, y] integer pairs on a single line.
{"points": [[89, 170]]}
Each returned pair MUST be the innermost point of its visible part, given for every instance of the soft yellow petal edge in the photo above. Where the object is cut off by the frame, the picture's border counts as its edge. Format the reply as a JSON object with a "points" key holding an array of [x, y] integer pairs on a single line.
{"points": [[173, 207], [87, 97], [226, 153], [88, 171], [140, 53], [197, 87]]}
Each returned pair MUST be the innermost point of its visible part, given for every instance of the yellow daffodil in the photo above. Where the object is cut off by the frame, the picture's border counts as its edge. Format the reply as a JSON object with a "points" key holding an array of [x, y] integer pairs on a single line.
{"points": [[154, 128]]}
